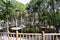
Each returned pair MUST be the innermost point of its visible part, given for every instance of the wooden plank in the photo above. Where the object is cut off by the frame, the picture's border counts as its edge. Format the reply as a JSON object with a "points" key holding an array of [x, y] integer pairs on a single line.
{"points": [[46, 37], [29, 37], [23, 36], [39, 37], [32, 37], [13, 36], [50, 37], [20, 36], [26, 37], [56, 37], [8, 36], [53, 37], [1, 36]]}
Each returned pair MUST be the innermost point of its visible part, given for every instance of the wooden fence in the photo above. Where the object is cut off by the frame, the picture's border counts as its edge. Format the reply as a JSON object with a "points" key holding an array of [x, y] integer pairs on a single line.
{"points": [[29, 36]]}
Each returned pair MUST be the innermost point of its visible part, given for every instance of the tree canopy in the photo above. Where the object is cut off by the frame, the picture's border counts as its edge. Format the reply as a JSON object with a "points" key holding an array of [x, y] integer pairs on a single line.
{"points": [[47, 11], [35, 14]]}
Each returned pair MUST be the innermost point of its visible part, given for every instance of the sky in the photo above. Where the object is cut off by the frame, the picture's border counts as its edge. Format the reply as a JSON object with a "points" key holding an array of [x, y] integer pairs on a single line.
{"points": [[23, 1]]}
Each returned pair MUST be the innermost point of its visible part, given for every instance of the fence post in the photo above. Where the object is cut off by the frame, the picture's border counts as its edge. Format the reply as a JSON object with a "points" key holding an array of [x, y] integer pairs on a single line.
{"points": [[16, 34], [42, 35]]}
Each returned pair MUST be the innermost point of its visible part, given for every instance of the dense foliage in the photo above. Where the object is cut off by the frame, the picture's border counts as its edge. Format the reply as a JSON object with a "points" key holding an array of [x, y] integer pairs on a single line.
{"points": [[35, 15], [47, 10]]}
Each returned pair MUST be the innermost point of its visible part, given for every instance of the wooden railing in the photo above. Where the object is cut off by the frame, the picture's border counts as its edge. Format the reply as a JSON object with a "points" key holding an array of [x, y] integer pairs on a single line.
{"points": [[29, 36]]}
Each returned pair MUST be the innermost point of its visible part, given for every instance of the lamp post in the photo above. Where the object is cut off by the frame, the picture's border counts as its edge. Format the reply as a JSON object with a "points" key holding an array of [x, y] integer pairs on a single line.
{"points": [[0, 25], [7, 16]]}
